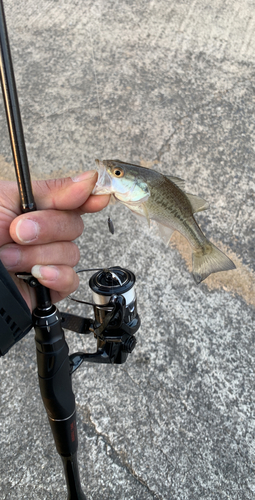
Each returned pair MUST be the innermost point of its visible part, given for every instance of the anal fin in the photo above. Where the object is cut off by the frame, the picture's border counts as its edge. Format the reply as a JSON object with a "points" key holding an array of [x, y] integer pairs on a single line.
{"points": [[165, 233]]}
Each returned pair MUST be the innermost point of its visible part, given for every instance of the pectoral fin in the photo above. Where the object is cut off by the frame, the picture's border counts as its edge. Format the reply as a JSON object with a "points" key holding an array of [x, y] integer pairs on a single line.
{"points": [[146, 214], [139, 210]]}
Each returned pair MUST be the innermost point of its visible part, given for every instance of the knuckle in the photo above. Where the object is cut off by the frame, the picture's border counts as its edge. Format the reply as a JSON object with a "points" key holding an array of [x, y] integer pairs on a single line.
{"points": [[74, 254]]}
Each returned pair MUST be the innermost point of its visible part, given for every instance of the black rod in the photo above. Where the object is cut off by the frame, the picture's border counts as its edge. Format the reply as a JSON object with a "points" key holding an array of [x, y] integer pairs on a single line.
{"points": [[14, 119], [72, 478], [57, 384]]}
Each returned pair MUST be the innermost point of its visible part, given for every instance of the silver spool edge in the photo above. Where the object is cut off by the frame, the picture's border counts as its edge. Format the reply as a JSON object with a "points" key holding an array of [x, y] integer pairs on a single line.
{"points": [[101, 300]]}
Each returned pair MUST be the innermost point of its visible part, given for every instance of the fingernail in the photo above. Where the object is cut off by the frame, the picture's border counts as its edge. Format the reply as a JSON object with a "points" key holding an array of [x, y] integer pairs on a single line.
{"points": [[27, 230], [84, 176], [10, 257], [49, 273]]}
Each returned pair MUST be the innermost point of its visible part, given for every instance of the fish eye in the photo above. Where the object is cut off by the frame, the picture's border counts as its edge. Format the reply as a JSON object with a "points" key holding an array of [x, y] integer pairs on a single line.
{"points": [[118, 172]]}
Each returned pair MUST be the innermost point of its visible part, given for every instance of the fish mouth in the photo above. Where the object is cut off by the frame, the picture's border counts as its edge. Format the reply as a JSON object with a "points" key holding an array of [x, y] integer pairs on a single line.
{"points": [[104, 181]]}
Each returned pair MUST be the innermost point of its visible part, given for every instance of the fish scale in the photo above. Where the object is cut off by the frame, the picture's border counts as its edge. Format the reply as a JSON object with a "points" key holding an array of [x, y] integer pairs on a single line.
{"points": [[175, 216]]}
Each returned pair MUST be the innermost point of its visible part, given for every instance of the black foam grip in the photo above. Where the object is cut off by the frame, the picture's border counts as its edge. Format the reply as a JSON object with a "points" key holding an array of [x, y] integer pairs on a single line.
{"points": [[15, 316]]}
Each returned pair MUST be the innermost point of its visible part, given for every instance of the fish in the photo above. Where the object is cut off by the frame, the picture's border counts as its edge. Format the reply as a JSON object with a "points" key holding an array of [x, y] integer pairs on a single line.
{"points": [[162, 198]]}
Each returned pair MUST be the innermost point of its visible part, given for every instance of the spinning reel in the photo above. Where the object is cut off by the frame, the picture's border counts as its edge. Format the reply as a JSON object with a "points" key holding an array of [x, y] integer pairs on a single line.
{"points": [[115, 309], [116, 318]]}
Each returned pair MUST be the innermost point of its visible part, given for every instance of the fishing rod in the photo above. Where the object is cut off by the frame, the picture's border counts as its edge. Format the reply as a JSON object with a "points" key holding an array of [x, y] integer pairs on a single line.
{"points": [[50, 342], [114, 302]]}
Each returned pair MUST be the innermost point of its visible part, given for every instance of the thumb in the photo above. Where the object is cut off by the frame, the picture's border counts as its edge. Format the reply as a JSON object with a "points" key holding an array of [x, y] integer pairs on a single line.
{"points": [[64, 194]]}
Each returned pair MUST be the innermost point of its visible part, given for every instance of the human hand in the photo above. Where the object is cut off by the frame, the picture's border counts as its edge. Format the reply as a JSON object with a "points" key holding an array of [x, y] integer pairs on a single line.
{"points": [[42, 241]]}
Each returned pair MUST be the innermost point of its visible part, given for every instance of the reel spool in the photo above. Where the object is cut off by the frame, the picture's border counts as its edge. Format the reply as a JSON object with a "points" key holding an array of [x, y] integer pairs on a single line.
{"points": [[115, 308]]}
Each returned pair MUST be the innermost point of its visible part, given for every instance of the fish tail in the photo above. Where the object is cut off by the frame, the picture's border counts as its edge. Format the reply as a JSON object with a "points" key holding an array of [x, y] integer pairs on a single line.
{"points": [[209, 259]]}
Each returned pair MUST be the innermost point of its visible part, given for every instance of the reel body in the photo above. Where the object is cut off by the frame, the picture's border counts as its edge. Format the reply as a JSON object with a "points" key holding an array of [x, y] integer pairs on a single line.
{"points": [[116, 317], [115, 309]]}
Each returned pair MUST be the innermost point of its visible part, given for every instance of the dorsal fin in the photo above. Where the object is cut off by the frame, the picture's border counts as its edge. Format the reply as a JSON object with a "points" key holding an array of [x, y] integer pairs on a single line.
{"points": [[176, 180], [197, 204]]}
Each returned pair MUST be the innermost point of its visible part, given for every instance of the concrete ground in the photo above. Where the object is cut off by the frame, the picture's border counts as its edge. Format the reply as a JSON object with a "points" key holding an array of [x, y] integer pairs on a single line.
{"points": [[170, 85]]}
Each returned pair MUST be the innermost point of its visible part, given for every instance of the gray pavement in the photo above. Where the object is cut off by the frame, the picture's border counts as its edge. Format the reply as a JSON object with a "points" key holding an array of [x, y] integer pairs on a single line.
{"points": [[170, 85]]}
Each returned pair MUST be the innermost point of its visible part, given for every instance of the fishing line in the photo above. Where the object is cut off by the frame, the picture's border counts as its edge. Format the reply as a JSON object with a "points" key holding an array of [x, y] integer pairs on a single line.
{"points": [[90, 270], [103, 269], [97, 88]]}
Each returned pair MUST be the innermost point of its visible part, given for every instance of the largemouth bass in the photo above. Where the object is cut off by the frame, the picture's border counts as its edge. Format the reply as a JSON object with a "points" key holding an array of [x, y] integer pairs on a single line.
{"points": [[162, 198]]}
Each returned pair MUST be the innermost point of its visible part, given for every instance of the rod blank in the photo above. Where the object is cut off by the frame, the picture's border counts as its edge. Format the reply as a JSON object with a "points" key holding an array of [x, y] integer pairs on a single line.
{"points": [[14, 119]]}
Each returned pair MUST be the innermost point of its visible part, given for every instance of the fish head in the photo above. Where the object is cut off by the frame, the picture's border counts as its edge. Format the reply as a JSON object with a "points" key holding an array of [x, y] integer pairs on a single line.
{"points": [[122, 180]]}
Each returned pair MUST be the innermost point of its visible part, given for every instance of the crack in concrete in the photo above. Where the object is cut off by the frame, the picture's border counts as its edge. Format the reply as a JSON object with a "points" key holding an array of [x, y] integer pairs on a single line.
{"points": [[137, 384], [118, 458]]}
